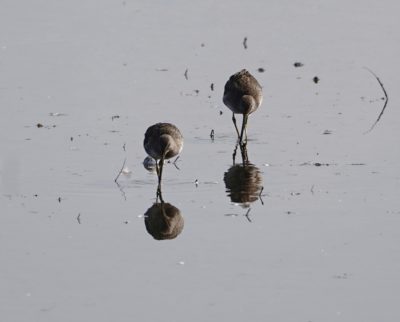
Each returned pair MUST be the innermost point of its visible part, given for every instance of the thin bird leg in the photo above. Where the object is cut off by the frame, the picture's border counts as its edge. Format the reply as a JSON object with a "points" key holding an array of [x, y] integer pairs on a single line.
{"points": [[157, 169], [160, 172], [234, 123], [159, 195], [244, 125], [234, 153], [245, 157]]}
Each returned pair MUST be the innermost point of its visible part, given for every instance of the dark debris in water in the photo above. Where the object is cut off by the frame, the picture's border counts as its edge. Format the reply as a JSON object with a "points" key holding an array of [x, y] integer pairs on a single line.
{"points": [[298, 64], [316, 79], [245, 42], [341, 276], [261, 70], [57, 114], [384, 105], [40, 125], [317, 164], [326, 132]]}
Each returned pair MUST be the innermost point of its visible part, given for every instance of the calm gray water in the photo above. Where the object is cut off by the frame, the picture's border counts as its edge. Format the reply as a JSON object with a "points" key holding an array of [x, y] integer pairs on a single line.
{"points": [[315, 237]]}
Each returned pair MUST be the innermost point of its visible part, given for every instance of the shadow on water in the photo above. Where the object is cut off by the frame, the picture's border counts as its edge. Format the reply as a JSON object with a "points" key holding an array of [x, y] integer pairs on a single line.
{"points": [[163, 220], [243, 182]]}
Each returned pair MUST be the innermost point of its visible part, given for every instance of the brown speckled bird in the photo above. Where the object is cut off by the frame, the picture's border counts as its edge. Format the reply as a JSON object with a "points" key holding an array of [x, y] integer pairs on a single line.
{"points": [[162, 141], [242, 95]]}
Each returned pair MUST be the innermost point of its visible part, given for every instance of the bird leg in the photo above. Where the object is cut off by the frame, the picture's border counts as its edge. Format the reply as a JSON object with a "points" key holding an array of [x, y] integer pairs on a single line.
{"points": [[234, 123], [234, 153], [245, 157], [159, 195], [157, 169], [244, 131], [159, 173]]}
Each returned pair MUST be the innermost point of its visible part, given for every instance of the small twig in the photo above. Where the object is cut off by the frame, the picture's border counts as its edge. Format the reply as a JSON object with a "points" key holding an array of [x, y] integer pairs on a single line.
{"points": [[231, 215], [121, 190], [260, 196], [186, 74], [120, 171], [384, 105], [312, 189], [247, 215], [124, 147], [174, 162], [79, 218], [212, 134], [245, 42]]}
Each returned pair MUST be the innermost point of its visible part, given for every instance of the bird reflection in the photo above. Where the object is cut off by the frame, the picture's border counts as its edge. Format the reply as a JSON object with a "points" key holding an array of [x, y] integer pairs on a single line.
{"points": [[163, 220], [243, 182]]}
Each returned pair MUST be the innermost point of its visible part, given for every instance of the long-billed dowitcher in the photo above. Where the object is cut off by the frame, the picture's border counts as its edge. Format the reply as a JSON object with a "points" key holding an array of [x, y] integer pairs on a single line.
{"points": [[242, 95], [162, 141]]}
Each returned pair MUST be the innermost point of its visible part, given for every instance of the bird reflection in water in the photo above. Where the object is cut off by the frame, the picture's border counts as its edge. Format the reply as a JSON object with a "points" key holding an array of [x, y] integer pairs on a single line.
{"points": [[163, 220], [243, 182]]}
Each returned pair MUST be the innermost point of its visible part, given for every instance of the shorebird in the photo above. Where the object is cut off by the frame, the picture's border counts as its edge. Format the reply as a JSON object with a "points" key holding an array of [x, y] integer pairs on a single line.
{"points": [[162, 141], [242, 95]]}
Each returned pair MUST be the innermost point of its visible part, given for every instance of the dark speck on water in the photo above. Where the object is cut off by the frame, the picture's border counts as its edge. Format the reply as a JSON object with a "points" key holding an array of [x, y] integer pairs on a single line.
{"points": [[298, 64], [245, 42]]}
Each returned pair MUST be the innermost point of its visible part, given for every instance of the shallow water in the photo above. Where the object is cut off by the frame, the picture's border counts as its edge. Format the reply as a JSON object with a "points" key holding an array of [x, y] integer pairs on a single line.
{"points": [[319, 239]]}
